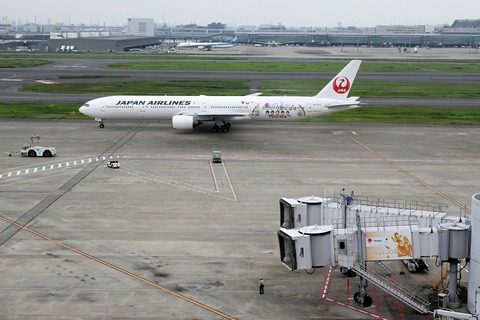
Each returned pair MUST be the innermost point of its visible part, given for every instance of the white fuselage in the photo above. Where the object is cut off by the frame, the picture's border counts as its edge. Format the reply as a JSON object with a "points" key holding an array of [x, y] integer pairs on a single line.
{"points": [[233, 107], [187, 112]]}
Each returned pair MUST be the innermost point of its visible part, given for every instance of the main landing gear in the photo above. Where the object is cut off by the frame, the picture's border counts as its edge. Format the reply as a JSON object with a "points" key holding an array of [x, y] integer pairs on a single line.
{"points": [[221, 128]]}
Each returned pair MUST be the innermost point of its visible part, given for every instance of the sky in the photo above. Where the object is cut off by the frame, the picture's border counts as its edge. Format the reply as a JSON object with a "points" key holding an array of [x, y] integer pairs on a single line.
{"points": [[290, 13]]}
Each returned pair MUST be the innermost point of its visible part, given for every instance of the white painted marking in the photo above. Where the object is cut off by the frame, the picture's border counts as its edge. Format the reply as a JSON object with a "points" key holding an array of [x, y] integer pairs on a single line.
{"points": [[67, 164], [51, 166], [35, 170], [9, 174], [13, 80], [18, 173], [43, 168], [26, 171], [46, 81]]}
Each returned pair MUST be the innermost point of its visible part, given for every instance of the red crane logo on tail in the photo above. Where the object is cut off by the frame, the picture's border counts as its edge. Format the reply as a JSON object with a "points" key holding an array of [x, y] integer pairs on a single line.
{"points": [[341, 85]]}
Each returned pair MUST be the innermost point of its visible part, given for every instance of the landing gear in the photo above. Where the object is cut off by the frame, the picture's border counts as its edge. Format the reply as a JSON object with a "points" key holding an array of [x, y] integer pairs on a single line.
{"points": [[100, 122], [224, 127]]}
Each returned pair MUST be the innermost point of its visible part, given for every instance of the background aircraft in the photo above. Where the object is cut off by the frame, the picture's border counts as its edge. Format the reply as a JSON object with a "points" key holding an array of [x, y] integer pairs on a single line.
{"points": [[187, 112], [208, 45]]}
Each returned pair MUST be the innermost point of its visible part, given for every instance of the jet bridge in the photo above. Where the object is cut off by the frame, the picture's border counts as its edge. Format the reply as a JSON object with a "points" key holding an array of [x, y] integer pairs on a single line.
{"points": [[350, 233]]}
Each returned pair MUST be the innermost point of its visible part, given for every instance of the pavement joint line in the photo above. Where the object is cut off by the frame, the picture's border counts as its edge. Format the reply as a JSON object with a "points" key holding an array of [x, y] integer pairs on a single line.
{"points": [[174, 183], [114, 267]]}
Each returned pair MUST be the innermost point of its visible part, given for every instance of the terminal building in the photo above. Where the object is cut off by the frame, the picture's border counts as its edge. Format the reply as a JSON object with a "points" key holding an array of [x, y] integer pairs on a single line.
{"points": [[142, 33]]}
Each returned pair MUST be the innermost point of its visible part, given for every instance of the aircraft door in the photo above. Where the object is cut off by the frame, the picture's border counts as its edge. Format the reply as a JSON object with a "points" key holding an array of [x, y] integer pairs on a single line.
{"points": [[203, 107]]}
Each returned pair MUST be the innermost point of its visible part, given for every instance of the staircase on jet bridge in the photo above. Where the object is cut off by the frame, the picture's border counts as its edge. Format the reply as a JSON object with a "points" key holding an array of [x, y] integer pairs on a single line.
{"points": [[403, 293], [384, 267]]}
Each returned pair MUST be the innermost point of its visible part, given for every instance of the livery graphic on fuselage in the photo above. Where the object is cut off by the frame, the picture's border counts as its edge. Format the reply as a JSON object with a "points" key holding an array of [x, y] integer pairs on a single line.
{"points": [[278, 111], [154, 103]]}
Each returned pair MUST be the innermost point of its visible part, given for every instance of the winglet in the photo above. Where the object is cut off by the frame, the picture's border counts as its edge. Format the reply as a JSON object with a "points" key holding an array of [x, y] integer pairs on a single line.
{"points": [[340, 85]]}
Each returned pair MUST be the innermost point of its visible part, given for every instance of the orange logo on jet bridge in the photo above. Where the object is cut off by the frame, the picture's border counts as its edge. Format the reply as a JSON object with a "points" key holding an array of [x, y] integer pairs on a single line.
{"points": [[341, 85]]}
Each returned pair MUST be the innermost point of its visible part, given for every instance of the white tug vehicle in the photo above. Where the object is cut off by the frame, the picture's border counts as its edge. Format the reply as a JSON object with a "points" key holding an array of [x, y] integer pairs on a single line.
{"points": [[29, 150]]}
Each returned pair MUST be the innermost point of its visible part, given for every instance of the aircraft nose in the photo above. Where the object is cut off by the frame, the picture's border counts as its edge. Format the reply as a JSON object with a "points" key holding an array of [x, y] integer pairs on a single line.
{"points": [[85, 110]]}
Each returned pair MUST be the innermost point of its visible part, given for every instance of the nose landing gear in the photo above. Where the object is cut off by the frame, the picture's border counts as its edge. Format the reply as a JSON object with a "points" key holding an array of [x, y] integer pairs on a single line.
{"points": [[100, 123]]}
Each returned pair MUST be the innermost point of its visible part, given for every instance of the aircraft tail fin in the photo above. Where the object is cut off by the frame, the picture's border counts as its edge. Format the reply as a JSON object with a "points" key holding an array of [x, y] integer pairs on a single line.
{"points": [[340, 85], [234, 40]]}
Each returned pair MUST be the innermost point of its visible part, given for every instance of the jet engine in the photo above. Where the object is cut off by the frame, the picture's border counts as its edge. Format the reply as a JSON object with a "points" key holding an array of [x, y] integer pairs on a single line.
{"points": [[182, 122]]}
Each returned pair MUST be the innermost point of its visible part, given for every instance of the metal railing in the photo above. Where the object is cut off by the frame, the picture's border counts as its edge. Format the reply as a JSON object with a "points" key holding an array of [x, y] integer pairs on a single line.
{"points": [[406, 294]]}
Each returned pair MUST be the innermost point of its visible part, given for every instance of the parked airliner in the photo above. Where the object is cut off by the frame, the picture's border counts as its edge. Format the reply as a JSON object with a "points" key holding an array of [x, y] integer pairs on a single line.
{"points": [[187, 112], [209, 45]]}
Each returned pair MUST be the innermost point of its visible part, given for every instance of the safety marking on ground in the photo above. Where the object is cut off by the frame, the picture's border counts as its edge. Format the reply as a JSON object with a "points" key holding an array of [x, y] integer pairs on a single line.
{"points": [[46, 81], [48, 167], [180, 184], [324, 295], [408, 174], [121, 270], [224, 180], [12, 80]]}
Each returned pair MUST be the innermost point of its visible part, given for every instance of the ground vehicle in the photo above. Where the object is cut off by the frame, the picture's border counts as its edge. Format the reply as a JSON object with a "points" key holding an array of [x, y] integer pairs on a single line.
{"points": [[37, 151], [217, 157], [114, 164]]}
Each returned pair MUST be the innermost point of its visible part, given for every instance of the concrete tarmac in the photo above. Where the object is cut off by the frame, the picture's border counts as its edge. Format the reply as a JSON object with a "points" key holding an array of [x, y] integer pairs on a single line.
{"points": [[170, 235]]}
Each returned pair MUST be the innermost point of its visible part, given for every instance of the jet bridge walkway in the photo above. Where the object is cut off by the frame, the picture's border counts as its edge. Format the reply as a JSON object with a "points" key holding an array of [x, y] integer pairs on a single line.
{"points": [[407, 295]]}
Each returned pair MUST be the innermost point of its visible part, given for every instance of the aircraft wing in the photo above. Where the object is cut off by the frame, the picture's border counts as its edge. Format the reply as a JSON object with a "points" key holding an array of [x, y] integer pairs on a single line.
{"points": [[211, 116]]}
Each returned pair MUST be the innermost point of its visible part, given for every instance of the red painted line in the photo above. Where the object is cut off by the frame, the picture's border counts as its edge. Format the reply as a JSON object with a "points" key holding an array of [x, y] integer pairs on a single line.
{"points": [[348, 291], [324, 296], [374, 298], [213, 176], [329, 282], [323, 293]]}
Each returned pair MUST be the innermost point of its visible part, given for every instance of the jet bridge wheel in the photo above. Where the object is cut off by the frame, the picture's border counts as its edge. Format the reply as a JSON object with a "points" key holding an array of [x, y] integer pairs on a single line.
{"points": [[364, 299]]}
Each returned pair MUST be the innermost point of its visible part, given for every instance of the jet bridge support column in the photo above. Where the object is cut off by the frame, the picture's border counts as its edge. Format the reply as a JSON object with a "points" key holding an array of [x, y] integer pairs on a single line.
{"points": [[454, 244], [361, 295]]}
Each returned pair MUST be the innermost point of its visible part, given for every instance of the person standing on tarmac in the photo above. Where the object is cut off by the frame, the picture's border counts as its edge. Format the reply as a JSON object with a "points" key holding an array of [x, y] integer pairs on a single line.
{"points": [[261, 284]]}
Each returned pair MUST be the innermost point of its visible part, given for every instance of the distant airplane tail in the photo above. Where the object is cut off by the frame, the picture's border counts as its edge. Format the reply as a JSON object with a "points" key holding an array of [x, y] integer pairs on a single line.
{"points": [[234, 40], [340, 85]]}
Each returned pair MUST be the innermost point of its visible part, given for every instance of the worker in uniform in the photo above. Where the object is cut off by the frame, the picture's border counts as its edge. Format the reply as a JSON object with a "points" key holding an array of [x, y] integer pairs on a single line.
{"points": [[261, 284]]}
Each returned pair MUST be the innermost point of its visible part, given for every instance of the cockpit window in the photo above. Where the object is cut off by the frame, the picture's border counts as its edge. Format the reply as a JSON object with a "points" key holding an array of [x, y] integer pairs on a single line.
{"points": [[86, 105]]}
